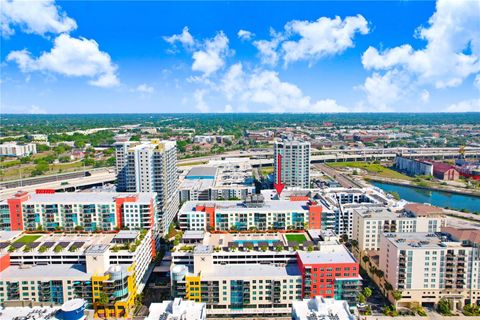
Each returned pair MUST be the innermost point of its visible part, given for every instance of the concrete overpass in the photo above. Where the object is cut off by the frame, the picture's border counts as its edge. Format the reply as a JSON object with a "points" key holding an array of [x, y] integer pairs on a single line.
{"points": [[73, 184], [340, 156], [77, 180]]}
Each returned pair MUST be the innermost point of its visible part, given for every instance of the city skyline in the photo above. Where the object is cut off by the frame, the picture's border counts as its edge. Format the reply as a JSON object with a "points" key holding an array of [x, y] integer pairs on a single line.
{"points": [[158, 57]]}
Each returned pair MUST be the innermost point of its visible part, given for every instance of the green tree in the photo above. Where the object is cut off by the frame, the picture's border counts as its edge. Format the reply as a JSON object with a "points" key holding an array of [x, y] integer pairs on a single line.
{"points": [[40, 169], [367, 292], [361, 298], [443, 307], [79, 144], [103, 298], [135, 138], [395, 195], [397, 295]]}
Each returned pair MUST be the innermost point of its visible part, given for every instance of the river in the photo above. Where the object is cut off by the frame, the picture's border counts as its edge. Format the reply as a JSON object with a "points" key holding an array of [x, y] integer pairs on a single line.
{"points": [[434, 197]]}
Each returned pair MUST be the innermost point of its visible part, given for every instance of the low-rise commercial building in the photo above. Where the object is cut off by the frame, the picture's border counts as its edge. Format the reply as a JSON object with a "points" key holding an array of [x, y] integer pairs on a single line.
{"points": [[414, 167], [12, 149], [321, 308], [177, 309]]}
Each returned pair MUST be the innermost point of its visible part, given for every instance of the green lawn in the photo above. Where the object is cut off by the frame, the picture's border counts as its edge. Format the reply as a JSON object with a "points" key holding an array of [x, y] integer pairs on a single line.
{"points": [[29, 238], [373, 169], [298, 237], [266, 171]]}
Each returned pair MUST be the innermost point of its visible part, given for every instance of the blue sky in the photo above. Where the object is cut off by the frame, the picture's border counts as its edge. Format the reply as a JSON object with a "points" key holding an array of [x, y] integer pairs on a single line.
{"points": [[153, 56]]}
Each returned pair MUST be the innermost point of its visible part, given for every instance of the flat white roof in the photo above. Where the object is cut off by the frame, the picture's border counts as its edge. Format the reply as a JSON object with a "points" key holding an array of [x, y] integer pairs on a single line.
{"points": [[328, 253], [321, 308], [239, 206], [173, 310], [246, 271], [87, 197], [46, 272], [35, 313], [9, 235]]}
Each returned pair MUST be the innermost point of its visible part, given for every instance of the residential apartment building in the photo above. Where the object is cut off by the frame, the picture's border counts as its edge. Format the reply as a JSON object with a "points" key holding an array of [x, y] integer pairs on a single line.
{"points": [[253, 213], [12, 149], [370, 223], [337, 204], [427, 267], [150, 166], [89, 211], [295, 162], [261, 275], [343, 201], [108, 271]]}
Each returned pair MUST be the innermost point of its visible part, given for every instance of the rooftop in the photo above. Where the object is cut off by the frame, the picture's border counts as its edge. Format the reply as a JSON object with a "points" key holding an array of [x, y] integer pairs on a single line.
{"points": [[126, 235], [422, 210], [250, 271], [423, 240], [176, 309], [328, 253], [86, 197], [35, 313], [471, 235], [46, 272], [202, 171], [81, 241], [321, 308], [9, 235], [239, 206]]}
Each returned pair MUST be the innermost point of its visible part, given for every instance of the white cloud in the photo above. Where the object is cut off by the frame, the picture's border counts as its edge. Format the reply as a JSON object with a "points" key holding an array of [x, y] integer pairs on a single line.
{"points": [[472, 105], [265, 90], [245, 35], [384, 90], [322, 37], [36, 110], [71, 57], [476, 82], [451, 54], [424, 96], [185, 38], [233, 81], [39, 17], [145, 88], [316, 39], [228, 109], [212, 56], [199, 98], [268, 49]]}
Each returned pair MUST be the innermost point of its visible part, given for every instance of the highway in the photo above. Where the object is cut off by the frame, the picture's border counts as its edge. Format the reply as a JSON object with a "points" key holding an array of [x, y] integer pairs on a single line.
{"points": [[97, 178], [344, 180], [258, 158]]}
